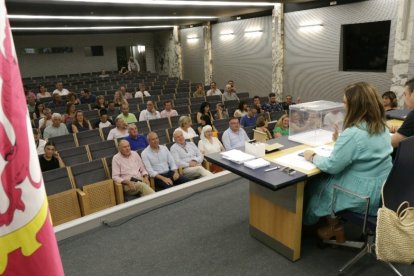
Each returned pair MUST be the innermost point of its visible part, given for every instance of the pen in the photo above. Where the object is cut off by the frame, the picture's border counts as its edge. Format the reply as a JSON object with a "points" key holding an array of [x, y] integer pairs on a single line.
{"points": [[272, 169]]}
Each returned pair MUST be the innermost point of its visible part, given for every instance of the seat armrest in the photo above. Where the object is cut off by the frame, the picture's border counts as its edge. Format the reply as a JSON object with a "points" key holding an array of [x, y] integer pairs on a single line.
{"points": [[119, 192]]}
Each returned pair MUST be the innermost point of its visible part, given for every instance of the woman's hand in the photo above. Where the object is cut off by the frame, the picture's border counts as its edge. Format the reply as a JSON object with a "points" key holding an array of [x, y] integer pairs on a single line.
{"points": [[308, 154]]}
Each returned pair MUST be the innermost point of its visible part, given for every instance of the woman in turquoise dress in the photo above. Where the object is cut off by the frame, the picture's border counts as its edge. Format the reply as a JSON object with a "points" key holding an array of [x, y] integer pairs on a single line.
{"points": [[360, 162]]}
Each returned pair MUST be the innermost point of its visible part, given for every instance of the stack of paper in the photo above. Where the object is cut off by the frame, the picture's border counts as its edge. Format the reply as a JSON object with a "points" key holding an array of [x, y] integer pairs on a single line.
{"points": [[257, 163], [237, 156]]}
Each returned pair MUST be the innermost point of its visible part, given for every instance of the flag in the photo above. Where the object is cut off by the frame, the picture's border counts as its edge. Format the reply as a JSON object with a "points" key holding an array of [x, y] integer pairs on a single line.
{"points": [[27, 241]]}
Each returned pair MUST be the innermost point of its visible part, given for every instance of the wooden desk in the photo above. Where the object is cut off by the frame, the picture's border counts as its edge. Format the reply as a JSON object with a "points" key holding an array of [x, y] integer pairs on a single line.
{"points": [[276, 202]]}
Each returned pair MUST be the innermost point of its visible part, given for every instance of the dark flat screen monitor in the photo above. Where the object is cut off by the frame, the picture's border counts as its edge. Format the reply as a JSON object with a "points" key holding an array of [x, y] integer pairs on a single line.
{"points": [[365, 46]]}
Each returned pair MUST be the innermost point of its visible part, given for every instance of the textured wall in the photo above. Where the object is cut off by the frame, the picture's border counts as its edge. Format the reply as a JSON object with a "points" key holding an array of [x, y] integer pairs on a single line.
{"points": [[193, 54], [312, 58], [245, 59], [167, 54], [77, 62]]}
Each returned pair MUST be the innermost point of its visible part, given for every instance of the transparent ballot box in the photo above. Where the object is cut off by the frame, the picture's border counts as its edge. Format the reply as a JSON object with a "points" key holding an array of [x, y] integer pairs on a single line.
{"points": [[313, 123]]}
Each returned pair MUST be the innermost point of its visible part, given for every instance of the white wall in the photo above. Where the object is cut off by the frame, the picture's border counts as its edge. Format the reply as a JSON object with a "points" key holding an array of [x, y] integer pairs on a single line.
{"points": [[246, 60], [193, 54], [77, 62], [312, 58]]}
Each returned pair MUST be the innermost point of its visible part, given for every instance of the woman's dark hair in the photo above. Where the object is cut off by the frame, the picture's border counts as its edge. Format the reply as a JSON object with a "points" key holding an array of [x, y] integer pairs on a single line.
{"points": [[206, 119], [50, 143], [393, 98], [241, 103], [364, 106], [203, 105], [68, 106]]}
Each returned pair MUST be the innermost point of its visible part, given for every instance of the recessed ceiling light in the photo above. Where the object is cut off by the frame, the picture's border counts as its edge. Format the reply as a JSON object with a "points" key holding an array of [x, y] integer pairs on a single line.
{"points": [[101, 28], [71, 17], [178, 3]]}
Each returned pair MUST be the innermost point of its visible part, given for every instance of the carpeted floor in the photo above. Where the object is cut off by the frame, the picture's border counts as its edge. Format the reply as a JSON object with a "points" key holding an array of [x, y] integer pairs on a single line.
{"points": [[206, 234]]}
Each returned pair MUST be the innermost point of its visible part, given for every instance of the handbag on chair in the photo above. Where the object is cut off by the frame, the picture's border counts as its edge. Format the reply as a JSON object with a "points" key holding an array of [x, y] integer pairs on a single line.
{"points": [[395, 234]]}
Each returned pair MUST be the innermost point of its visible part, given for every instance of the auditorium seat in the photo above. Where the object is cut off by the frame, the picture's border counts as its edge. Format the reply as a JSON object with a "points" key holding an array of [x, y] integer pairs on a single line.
{"points": [[83, 107], [275, 115], [162, 136], [242, 95], [88, 137], [73, 156], [102, 149], [61, 196], [95, 189], [64, 141], [143, 127], [157, 124], [221, 125], [105, 131], [120, 196], [174, 119], [182, 110]]}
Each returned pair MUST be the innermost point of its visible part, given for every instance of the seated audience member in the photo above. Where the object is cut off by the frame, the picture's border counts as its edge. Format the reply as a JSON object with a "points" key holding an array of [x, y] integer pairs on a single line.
{"points": [[229, 94], [289, 102], [204, 110], [241, 111], [133, 65], [60, 90], [128, 169], [42, 92], [136, 141], [214, 91], [141, 92], [79, 123], [334, 119], [204, 121], [250, 118], [57, 128], [46, 120], [199, 91], [234, 136], [281, 127], [70, 113], [272, 105], [40, 143], [150, 113], [296, 122], [389, 101], [119, 99], [112, 110], [39, 112], [71, 98], [100, 103], [28, 91], [160, 164], [119, 131], [50, 160], [168, 110], [231, 83], [209, 144], [56, 101], [185, 126], [188, 156], [125, 94], [360, 162], [257, 104], [262, 124], [221, 112], [31, 105], [87, 97], [128, 118], [104, 119], [407, 128]]}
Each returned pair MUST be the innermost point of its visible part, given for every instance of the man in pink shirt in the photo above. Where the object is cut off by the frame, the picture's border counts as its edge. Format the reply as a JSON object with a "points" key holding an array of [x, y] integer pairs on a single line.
{"points": [[168, 111], [128, 169]]}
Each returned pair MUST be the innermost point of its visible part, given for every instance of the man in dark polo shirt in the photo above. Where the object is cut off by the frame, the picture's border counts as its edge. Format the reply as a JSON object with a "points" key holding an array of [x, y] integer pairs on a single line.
{"points": [[50, 160], [136, 141], [407, 128]]}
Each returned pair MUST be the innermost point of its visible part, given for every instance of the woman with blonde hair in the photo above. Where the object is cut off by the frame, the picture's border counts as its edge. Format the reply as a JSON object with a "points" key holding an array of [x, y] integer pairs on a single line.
{"points": [[185, 126], [360, 162], [281, 127], [210, 144], [79, 123], [119, 99]]}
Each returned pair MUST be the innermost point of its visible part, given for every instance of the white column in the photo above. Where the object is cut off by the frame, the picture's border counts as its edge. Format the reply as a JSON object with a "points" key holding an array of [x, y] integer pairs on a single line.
{"points": [[208, 62], [176, 65], [277, 50], [402, 47]]}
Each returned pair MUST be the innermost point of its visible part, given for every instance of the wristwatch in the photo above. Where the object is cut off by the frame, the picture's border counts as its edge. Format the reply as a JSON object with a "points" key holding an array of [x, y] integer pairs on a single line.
{"points": [[313, 155]]}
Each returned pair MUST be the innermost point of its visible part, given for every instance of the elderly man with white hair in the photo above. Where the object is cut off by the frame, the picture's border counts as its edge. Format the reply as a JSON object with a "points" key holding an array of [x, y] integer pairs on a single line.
{"points": [[229, 94], [188, 156], [57, 128]]}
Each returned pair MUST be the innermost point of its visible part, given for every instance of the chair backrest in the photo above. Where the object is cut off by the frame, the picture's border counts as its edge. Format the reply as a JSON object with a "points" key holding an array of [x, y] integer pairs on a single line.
{"points": [[64, 141], [142, 127], [102, 149], [88, 137], [73, 156], [275, 115], [106, 130], [399, 185], [159, 124], [162, 136], [89, 173], [108, 161], [57, 181]]}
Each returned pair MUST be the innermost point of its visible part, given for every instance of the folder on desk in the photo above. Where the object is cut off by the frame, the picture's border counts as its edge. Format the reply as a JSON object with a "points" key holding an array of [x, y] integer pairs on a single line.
{"points": [[257, 163], [237, 156], [260, 136]]}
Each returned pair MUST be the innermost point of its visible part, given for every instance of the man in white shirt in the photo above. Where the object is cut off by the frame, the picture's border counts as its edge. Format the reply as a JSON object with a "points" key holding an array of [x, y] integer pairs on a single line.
{"points": [[214, 91], [60, 90], [234, 136], [150, 113], [229, 94], [119, 131], [168, 111], [57, 128], [188, 156], [141, 92]]}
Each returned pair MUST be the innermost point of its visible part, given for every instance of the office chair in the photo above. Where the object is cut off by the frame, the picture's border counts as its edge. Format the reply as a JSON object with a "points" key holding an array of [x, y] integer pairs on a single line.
{"points": [[398, 187]]}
